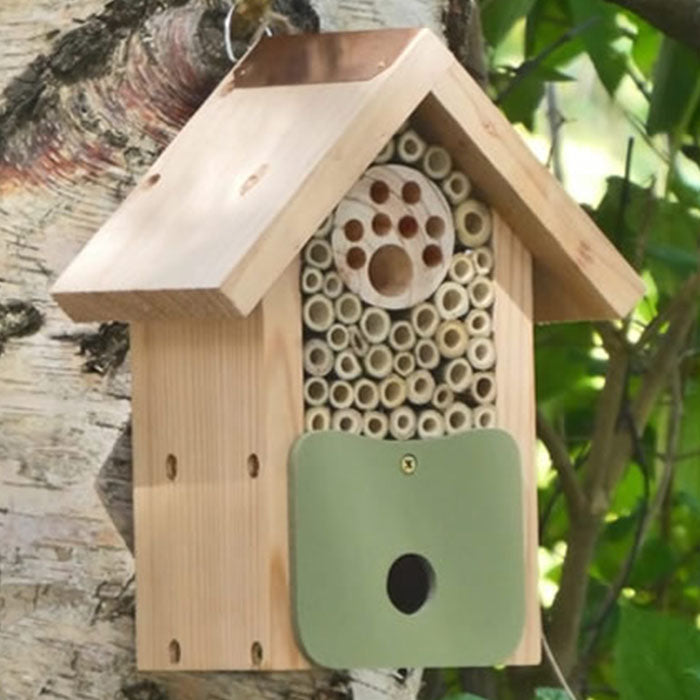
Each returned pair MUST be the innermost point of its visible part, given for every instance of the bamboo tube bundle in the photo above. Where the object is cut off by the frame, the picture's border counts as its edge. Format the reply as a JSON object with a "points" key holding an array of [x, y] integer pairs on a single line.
{"points": [[410, 147], [456, 187], [452, 339], [451, 300], [462, 269], [348, 420], [483, 260], [392, 392], [481, 353], [482, 389], [375, 425], [341, 394], [317, 418], [402, 423], [430, 424], [484, 417], [443, 397], [437, 162], [402, 336], [358, 343], [375, 324], [318, 313], [387, 153], [332, 285], [473, 223], [311, 280], [316, 391], [478, 323], [404, 364], [325, 228], [318, 358], [379, 361], [348, 308], [427, 354], [318, 253], [338, 337], [425, 319], [482, 292], [458, 375], [420, 387], [347, 366], [366, 394], [458, 418]]}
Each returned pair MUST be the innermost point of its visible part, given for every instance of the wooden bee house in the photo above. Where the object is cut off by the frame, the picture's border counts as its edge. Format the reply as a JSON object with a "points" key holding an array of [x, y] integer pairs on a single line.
{"points": [[347, 237]]}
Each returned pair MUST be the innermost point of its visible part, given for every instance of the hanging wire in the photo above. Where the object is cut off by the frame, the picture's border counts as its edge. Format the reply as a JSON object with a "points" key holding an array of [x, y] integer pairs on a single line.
{"points": [[265, 29]]}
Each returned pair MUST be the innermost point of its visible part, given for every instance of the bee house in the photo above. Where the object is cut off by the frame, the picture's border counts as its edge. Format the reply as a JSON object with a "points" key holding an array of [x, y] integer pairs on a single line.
{"points": [[332, 276]]}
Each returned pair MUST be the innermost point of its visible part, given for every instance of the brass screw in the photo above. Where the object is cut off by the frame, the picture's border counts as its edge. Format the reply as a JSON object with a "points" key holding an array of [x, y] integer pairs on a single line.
{"points": [[409, 464]]}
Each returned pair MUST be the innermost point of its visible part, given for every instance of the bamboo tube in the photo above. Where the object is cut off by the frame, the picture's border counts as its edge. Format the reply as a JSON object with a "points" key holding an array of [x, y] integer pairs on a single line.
{"points": [[311, 280], [410, 147], [482, 389], [318, 358], [458, 418], [481, 353], [348, 308], [387, 153], [325, 228], [451, 339], [358, 342], [316, 391], [379, 361], [317, 418], [348, 420], [458, 375], [318, 253], [437, 162], [481, 292], [431, 424], [347, 366], [478, 323], [443, 397], [404, 364], [392, 391], [451, 300], [338, 337], [402, 336], [341, 394], [461, 269], [473, 223], [420, 387], [425, 319], [402, 423], [375, 425], [375, 324], [332, 285], [366, 394], [484, 417], [427, 354], [483, 260], [318, 313], [456, 187]]}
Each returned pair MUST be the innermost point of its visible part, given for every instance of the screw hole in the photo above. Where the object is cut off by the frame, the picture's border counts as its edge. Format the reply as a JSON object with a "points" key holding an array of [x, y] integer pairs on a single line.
{"points": [[256, 653], [171, 467], [174, 651], [152, 179], [253, 465]]}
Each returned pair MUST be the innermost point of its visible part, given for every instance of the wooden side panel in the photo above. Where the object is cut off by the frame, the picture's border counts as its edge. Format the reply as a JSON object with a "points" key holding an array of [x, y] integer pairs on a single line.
{"points": [[212, 542], [515, 404]]}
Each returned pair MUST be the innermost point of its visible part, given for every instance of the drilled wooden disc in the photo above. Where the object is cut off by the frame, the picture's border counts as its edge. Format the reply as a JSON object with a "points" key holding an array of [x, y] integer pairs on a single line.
{"points": [[393, 237]]}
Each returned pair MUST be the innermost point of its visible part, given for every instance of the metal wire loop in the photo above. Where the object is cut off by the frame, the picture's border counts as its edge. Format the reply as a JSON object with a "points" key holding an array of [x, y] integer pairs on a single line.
{"points": [[227, 34]]}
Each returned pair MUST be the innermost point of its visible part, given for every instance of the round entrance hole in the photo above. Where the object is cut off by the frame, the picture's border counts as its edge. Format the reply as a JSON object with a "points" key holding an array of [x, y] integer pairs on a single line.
{"points": [[410, 583], [390, 270]]}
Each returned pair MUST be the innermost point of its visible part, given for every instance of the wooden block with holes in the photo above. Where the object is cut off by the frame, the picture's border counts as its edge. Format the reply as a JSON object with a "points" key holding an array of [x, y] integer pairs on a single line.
{"points": [[315, 276]]}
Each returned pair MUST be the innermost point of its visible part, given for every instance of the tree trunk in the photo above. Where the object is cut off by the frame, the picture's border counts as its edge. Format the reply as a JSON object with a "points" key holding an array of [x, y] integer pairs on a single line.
{"points": [[94, 90]]}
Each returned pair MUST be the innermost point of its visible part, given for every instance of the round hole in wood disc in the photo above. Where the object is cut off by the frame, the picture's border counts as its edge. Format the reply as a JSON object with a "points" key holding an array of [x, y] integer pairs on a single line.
{"points": [[435, 226], [353, 230], [410, 192], [379, 191], [473, 222], [381, 224], [174, 651], [390, 270], [356, 258], [253, 465], [171, 467], [408, 226], [256, 653], [432, 256]]}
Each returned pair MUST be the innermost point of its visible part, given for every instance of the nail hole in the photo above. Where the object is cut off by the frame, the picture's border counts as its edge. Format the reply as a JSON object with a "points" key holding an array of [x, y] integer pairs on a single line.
{"points": [[174, 651], [152, 179], [256, 653], [410, 583], [432, 256], [381, 224], [171, 467], [411, 192], [408, 226], [356, 258], [353, 230], [379, 191], [435, 226], [253, 465]]}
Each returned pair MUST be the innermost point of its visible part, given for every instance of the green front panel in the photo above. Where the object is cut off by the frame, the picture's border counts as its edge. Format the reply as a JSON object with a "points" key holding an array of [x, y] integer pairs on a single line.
{"points": [[355, 511]]}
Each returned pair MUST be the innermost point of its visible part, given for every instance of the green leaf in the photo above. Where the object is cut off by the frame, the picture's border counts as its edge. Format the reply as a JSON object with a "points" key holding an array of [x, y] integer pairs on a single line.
{"points": [[646, 45], [551, 694], [499, 16], [653, 655], [548, 22]]}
